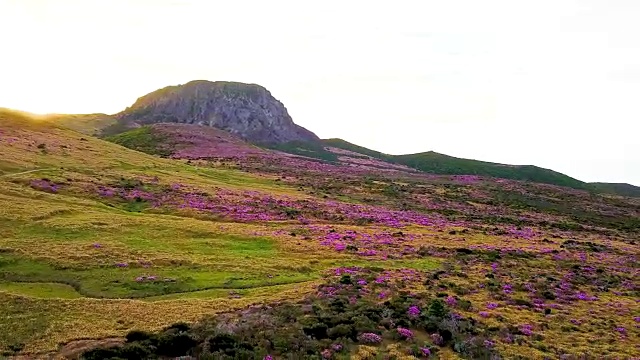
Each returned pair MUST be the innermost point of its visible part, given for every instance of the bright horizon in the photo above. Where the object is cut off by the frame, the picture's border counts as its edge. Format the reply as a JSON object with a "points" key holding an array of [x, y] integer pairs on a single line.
{"points": [[552, 83]]}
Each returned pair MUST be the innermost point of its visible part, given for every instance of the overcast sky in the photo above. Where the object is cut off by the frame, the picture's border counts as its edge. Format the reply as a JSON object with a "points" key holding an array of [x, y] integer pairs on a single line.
{"points": [[555, 83]]}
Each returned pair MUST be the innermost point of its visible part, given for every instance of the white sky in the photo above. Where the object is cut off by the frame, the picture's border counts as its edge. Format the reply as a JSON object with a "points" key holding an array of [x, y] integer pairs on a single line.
{"points": [[555, 83]]}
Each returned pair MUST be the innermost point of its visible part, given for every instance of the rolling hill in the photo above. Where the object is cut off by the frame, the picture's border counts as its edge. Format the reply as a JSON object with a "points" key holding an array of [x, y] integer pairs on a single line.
{"points": [[89, 124], [435, 163], [432, 162]]}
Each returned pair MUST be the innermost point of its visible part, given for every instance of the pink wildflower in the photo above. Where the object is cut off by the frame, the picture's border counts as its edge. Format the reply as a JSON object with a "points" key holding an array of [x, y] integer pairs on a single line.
{"points": [[451, 301], [370, 338], [489, 343], [526, 329], [413, 312], [405, 333], [437, 339]]}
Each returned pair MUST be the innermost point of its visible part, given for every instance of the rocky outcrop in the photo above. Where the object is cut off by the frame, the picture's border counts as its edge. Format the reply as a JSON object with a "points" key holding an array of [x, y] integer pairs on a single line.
{"points": [[246, 110]]}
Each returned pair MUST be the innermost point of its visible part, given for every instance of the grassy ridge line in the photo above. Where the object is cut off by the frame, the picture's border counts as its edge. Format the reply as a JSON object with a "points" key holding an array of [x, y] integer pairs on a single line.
{"points": [[345, 145], [443, 164], [432, 162], [89, 124], [617, 189]]}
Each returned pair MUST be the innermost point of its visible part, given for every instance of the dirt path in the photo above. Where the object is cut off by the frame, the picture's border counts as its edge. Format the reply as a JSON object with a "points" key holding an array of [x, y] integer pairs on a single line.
{"points": [[26, 172], [71, 350]]}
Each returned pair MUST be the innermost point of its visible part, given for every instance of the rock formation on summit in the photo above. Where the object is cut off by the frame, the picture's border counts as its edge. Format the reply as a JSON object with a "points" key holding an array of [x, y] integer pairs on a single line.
{"points": [[246, 110]]}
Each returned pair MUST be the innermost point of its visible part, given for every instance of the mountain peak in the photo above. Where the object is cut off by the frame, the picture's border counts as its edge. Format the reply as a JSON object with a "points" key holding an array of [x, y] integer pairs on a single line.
{"points": [[246, 110]]}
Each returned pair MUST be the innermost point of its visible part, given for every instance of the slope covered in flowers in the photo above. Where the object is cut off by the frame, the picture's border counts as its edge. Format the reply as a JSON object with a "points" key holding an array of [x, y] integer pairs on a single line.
{"points": [[268, 255]]}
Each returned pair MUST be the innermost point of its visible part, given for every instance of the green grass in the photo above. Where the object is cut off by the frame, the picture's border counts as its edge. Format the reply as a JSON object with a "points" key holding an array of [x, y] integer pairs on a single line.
{"points": [[144, 139], [40, 290], [173, 275], [257, 247], [26, 326], [192, 260]]}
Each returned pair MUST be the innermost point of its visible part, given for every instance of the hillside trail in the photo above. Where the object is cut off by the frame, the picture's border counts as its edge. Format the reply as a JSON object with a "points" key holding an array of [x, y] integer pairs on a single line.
{"points": [[72, 349], [25, 172]]}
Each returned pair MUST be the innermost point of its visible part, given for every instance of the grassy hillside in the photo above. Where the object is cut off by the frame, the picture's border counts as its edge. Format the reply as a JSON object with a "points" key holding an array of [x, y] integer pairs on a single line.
{"points": [[90, 124], [144, 139], [617, 189], [78, 222], [345, 145], [434, 163], [291, 258], [308, 149]]}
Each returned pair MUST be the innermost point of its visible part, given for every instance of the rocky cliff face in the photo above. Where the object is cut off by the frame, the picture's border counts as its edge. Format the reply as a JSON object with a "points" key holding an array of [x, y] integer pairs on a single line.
{"points": [[246, 110]]}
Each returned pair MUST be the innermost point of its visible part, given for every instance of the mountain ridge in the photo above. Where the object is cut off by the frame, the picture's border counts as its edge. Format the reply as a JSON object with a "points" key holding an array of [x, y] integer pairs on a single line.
{"points": [[417, 161], [250, 112]]}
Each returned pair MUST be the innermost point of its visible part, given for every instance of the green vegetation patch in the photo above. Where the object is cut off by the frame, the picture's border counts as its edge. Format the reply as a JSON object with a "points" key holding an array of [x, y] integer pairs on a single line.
{"points": [[40, 290], [125, 280], [144, 139]]}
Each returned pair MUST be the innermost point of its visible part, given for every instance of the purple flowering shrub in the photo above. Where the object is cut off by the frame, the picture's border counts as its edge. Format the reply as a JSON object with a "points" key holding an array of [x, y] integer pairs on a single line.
{"points": [[370, 338], [45, 185]]}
